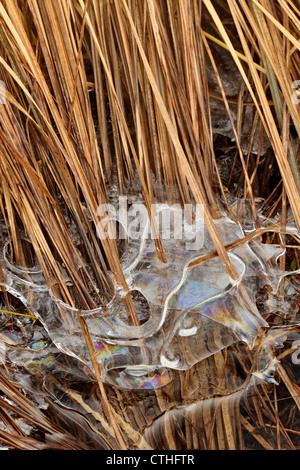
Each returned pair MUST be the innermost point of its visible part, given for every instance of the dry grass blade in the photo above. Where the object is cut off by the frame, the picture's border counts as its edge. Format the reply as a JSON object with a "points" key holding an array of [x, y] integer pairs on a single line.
{"points": [[267, 118], [289, 36], [178, 102], [181, 155]]}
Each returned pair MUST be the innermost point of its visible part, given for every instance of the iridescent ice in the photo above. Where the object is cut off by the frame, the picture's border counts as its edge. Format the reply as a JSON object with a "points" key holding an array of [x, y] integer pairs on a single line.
{"points": [[188, 311]]}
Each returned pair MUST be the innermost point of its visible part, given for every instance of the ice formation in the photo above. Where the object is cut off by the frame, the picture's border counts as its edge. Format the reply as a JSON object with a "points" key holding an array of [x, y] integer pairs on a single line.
{"points": [[187, 310]]}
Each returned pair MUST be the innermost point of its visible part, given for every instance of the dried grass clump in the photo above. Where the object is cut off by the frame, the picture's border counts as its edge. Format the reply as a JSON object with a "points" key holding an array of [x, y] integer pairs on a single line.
{"points": [[115, 94]]}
